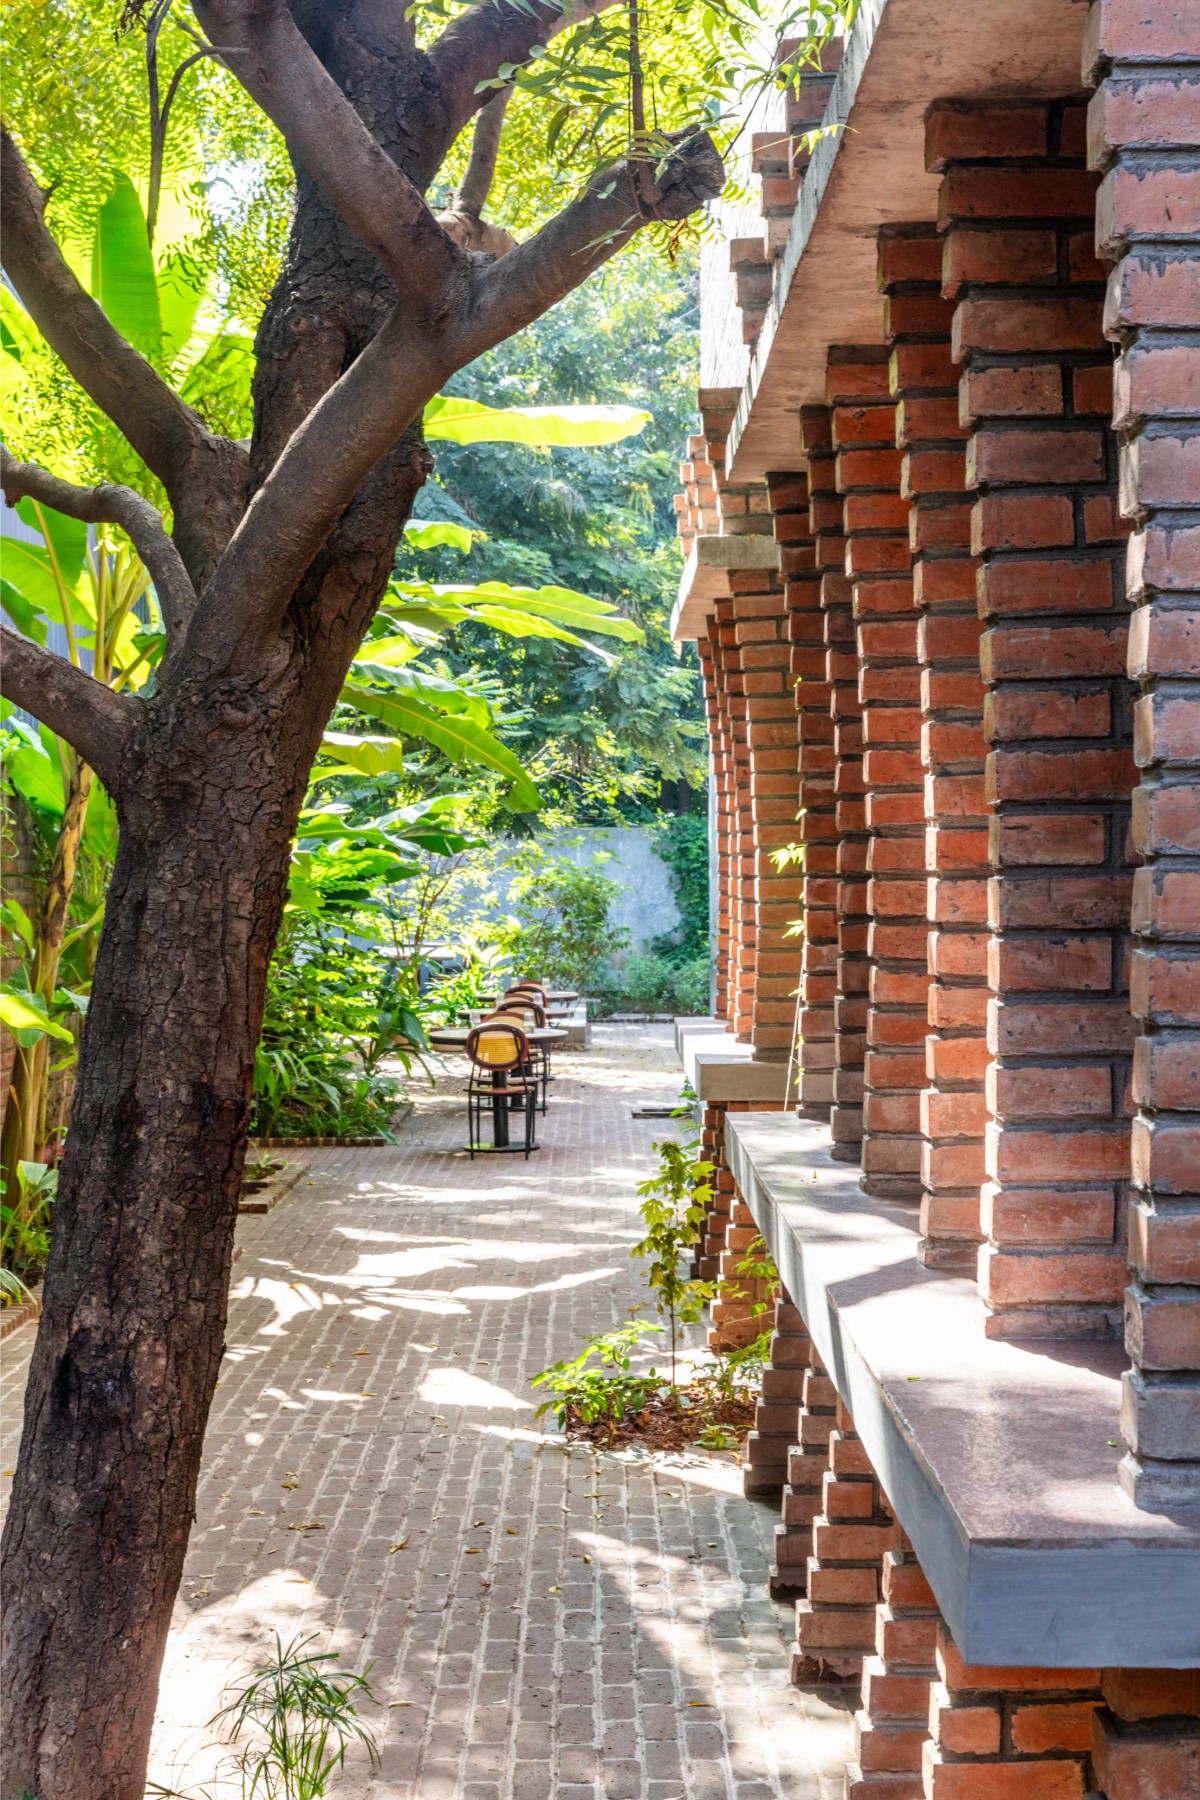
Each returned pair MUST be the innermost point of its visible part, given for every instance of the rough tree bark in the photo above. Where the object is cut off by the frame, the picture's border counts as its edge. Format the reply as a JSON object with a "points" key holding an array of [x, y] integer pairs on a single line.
{"points": [[286, 558]]}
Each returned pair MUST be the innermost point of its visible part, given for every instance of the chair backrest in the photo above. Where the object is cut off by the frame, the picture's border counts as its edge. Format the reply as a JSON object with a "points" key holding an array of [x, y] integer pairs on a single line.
{"points": [[497, 1043], [526, 987], [521, 1008]]}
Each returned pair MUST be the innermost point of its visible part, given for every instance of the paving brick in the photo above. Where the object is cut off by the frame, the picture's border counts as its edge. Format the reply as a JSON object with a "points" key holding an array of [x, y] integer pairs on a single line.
{"points": [[552, 1611]]}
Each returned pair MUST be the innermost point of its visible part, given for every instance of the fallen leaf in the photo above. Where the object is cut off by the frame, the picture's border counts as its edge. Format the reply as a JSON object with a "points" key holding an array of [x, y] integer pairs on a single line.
{"points": [[587, 1559], [256, 1512], [7, 1471], [402, 1545], [311, 1525], [289, 1484], [473, 1551], [554, 1590], [701, 1702], [392, 1704], [512, 1531], [297, 1581]]}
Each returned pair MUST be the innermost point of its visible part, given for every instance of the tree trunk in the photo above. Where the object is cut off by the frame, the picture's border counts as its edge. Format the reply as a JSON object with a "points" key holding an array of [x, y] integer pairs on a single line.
{"points": [[135, 1297]]}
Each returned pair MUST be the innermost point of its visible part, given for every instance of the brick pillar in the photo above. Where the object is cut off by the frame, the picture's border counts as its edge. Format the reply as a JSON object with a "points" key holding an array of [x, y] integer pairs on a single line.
{"points": [[924, 379], [1016, 203], [712, 1148], [807, 1465], [879, 565], [764, 1463], [891, 1727], [835, 1622], [816, 830], [862, 427], [762, 631], [1144, 133], [1008, 1734], [738, 1312], [722, 779], [1146, 1738], [838, 802]]}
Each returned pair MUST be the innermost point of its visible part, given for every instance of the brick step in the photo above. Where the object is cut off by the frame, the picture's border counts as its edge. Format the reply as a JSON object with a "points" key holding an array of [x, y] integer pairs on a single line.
{"points": [[799, 1506], [792, 1548], [892, 1746], [785, 1581], [834, 1630], [878, 1784], [777, 1418]]}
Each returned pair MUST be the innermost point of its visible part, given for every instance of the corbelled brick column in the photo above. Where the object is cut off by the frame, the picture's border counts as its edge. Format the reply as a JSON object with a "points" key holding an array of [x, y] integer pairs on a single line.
{"points": [[807, 1464], [1144, 133], [1146, 1738], [842, 973], [924, 379], [742, 923], [721, 752], [1008, 1734], [764, 1463], [816, 828], [835, 1622], [1016, 204], [770, 895], [878, 564], [893, 1723]]}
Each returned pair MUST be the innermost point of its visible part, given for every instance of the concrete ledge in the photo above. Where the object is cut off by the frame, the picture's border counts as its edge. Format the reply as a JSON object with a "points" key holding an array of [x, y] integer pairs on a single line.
{"points": [[705, 578], [720, 1068], [999, 1458]]}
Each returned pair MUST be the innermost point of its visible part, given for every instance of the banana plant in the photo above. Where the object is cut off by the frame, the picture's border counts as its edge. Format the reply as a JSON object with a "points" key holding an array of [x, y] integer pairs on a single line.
{"points": [[95, 592]]}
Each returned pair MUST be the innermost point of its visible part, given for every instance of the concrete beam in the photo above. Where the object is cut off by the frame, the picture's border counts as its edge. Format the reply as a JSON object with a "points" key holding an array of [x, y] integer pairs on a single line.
{"points": [[900, 56], [705, 578], [720, 1068]]}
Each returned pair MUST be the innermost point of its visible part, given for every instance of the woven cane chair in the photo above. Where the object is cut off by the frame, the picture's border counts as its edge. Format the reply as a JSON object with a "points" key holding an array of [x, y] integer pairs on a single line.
{"points": [[499, 1054], [530, 1016]]}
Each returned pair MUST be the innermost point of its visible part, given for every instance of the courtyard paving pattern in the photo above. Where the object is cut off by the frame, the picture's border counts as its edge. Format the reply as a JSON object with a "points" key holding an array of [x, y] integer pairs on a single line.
{"points": [[539, 1620]]}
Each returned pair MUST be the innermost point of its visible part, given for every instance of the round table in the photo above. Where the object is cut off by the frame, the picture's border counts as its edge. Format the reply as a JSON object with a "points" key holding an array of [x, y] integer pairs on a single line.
{"points": [[454, 1037]]}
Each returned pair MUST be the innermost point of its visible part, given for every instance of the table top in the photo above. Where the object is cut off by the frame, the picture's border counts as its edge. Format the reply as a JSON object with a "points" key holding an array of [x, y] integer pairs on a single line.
{"points": [[454, 1037], [553, 996]]}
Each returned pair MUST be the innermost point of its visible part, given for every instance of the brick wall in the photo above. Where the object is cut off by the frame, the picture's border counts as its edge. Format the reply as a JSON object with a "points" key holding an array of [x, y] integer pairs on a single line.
{"points": [[1143, 137]]}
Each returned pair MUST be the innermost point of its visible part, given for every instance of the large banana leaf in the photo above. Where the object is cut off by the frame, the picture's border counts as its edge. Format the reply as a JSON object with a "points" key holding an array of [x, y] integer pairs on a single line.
{"points": [[434, 534], [459, 739], [542, 427], [557, 605], [435, 690], [65, 539], [123, 277]]}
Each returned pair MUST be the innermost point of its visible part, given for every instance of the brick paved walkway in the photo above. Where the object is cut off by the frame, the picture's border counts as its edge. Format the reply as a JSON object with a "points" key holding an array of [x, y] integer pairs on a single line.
{"points": [[540, 1620]]}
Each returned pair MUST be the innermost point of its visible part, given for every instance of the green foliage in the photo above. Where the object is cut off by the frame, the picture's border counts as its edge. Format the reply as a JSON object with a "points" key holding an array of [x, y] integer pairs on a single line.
{"points": [[758, 1265], [675, 1204], [597, 1386], [559, 930], [599, 736], [681, 840], [25, 1227], [650, 983], [303, 1709]]}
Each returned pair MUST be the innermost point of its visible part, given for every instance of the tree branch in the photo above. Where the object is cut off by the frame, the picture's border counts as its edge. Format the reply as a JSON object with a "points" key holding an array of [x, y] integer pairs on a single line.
{"points": [[472, 193], [363, 415], [158, 425], [473, 46], [463, 219], [509, 294], [108, 504], [94, 720], [259, 42]]}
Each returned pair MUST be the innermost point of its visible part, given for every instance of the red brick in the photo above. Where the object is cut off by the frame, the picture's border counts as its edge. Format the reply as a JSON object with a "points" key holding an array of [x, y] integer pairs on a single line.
{"points": [[970, 132], [1031, 323], [1034, 390]]}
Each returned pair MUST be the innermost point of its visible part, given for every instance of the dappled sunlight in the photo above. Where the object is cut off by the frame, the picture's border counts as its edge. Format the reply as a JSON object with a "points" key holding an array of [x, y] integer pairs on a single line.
{"points": [[213, 1646], [455, 1387]]}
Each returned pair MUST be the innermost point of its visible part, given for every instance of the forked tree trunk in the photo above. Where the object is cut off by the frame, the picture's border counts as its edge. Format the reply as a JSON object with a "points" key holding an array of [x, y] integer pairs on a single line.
{"points": [[135, 1296]]}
